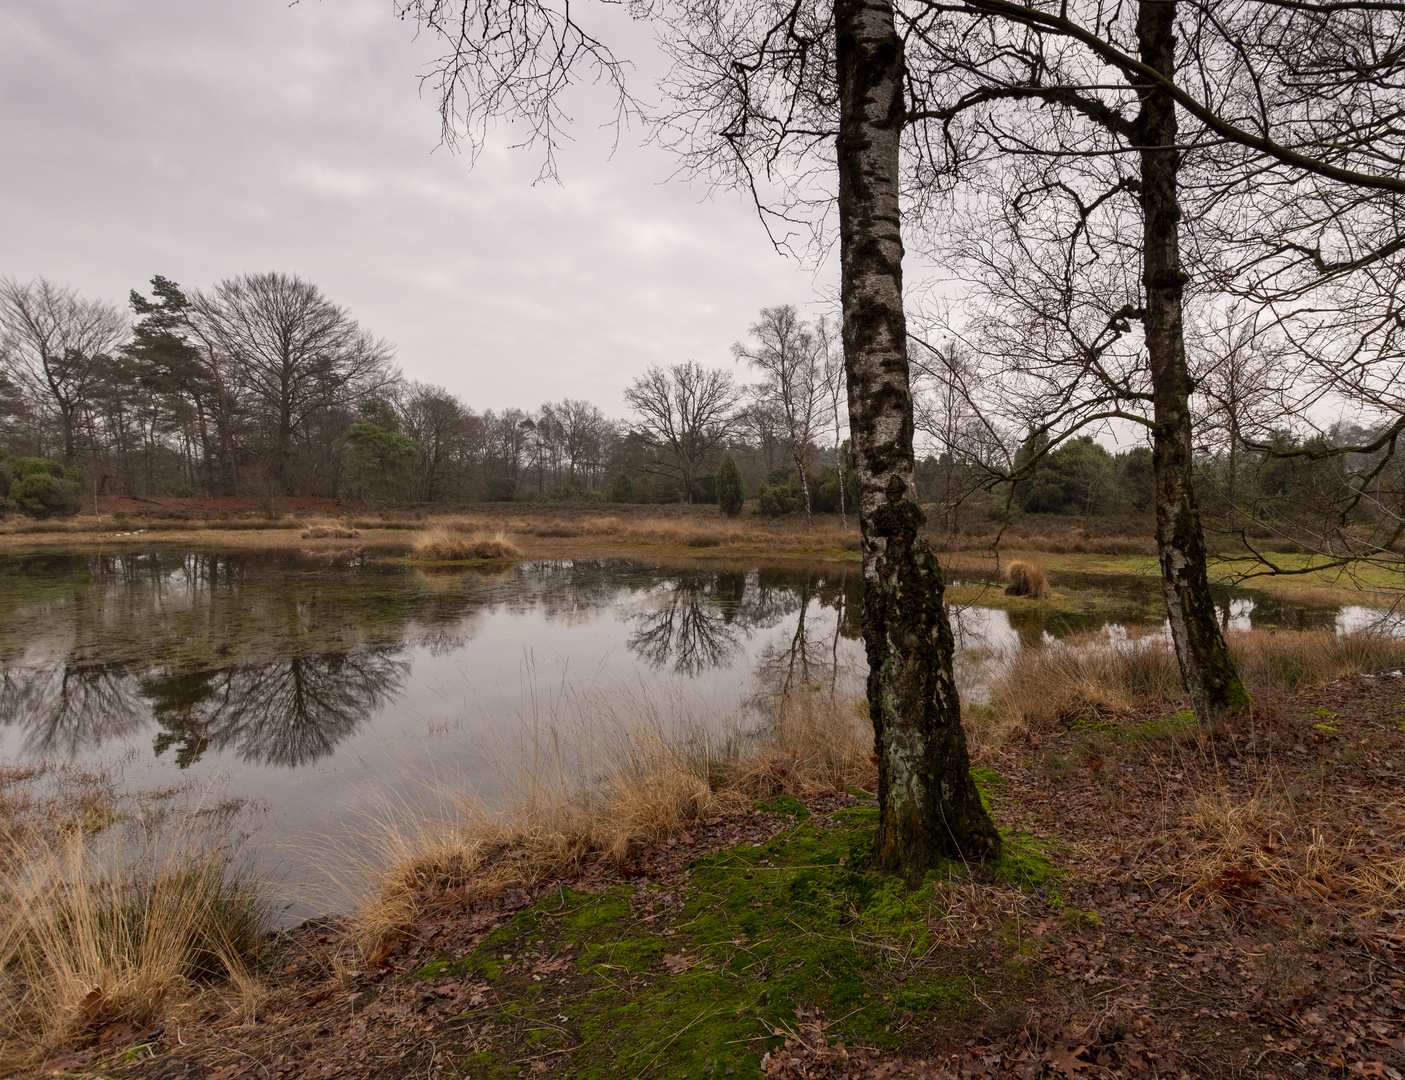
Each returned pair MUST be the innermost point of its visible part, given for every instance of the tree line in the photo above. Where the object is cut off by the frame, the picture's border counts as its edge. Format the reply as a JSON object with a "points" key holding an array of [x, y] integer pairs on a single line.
{"points": [[263, 386]]}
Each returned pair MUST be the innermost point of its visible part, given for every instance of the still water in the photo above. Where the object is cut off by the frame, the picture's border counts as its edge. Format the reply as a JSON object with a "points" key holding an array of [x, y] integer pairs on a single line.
{"points": [[302, 685]]}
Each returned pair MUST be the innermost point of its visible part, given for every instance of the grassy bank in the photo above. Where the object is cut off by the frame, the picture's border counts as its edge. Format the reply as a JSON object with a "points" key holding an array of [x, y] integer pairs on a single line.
{"points": [[1175, 906]]}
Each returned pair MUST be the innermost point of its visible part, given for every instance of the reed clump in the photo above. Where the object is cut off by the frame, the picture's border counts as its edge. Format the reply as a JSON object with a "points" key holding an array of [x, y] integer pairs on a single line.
{"points": [[600, 780], [444, 543], [1026, 579], [116, 909]]}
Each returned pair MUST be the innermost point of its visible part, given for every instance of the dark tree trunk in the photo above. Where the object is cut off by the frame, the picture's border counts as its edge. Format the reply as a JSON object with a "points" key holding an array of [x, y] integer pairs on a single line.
{"points": [[1206, 668], [929, 807]]}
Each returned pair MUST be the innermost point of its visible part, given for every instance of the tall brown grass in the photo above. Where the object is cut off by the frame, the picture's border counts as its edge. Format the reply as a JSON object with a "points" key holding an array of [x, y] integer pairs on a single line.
{"points": [[614, 773], [322, 530], [1093, 672], [115, 908], [1026, 579], [443, 543]]}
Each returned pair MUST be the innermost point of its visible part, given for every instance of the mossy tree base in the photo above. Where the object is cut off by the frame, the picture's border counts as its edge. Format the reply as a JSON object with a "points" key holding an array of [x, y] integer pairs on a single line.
{"points": [[697, 980]]}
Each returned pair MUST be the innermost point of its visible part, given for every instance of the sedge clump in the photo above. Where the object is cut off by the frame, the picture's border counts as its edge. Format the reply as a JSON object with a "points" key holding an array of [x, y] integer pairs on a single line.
{"points": [[445, 544], [1026, 579]]}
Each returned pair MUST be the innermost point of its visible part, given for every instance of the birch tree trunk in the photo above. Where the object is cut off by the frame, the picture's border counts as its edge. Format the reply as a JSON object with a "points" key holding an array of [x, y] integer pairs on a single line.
{"points": [[1206, 668], [929, 807]]}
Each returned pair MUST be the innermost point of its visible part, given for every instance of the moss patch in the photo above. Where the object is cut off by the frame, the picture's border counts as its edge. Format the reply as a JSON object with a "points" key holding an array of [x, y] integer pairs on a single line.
{"points": [[699, 979]]}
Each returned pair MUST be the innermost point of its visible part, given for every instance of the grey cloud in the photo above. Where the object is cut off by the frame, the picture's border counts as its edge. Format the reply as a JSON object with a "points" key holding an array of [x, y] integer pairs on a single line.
{"points": [[200, 139]]}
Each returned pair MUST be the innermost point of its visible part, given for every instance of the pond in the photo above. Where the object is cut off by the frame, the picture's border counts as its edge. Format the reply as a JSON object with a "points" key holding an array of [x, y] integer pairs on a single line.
{"points": [[303, 685]]}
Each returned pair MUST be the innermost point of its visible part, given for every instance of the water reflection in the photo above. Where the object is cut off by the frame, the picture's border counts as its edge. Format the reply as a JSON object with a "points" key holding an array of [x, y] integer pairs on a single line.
{"points": [[276, 661], [288, 713]]}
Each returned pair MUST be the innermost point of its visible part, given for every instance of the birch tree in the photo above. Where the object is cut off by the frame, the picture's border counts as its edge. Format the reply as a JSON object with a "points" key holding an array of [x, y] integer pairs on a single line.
{"points": [[786, 351], [798, 90]]}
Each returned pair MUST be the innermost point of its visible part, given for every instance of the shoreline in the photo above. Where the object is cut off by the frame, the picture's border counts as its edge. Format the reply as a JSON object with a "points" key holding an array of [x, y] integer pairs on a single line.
{"points": [[715, 540]]}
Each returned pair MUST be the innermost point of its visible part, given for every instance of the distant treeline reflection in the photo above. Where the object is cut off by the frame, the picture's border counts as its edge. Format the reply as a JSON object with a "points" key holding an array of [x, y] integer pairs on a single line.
{"points": [[278, 659]]}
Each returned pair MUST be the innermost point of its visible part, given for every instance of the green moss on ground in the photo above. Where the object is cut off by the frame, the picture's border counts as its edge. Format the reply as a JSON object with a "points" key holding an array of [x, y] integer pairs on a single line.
{"points": [[696, 980]]}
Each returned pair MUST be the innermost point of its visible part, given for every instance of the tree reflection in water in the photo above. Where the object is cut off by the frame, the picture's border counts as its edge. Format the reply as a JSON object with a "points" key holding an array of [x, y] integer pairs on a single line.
{"points": [[691, 632], [70, 709], [704, 616], [278, 660], [269, 658], [290, 712]]}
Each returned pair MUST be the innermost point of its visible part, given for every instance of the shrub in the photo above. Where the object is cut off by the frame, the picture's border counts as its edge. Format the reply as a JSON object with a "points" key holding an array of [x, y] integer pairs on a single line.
{"points": [[730, 492], [1026, 579], [776, 500], [43, 488]]}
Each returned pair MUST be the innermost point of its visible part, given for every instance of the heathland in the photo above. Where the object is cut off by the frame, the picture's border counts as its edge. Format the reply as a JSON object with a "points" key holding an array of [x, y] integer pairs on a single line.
{"points": [[653, 897]]}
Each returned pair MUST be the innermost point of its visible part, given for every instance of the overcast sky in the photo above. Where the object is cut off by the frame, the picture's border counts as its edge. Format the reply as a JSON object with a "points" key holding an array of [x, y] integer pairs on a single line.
{"points": [[200, 139]]}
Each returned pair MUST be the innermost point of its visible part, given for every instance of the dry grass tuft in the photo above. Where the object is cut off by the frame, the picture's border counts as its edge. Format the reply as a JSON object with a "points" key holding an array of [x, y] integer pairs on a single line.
{"points": [[115, 908], [323, 530], [443, 543], [611, 775], [1079, 675], [1098, 673], [1026, 579], [1307, 843], [1289, 661]]}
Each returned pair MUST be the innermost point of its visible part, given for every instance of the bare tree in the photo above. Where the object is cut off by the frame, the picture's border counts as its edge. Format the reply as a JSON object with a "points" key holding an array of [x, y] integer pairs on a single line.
{"points": [[966, 446], [831, 361], [787, 353], [57, 345], [441, 424], [685, 413], [294, 355]]}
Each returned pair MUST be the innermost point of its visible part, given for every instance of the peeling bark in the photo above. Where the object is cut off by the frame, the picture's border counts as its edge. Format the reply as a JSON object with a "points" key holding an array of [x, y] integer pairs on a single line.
{"points": [[929, 807], [1206, 668]]}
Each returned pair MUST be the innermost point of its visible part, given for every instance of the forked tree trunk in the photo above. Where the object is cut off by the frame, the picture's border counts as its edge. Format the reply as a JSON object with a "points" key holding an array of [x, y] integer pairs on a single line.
{"points": [[1206, 668], [929, 807]]}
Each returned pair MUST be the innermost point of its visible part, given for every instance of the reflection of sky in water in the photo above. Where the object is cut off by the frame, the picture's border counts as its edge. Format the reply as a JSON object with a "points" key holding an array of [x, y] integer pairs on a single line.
{"points": [[1354, 619], [1241, 610], [985, 630]]}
